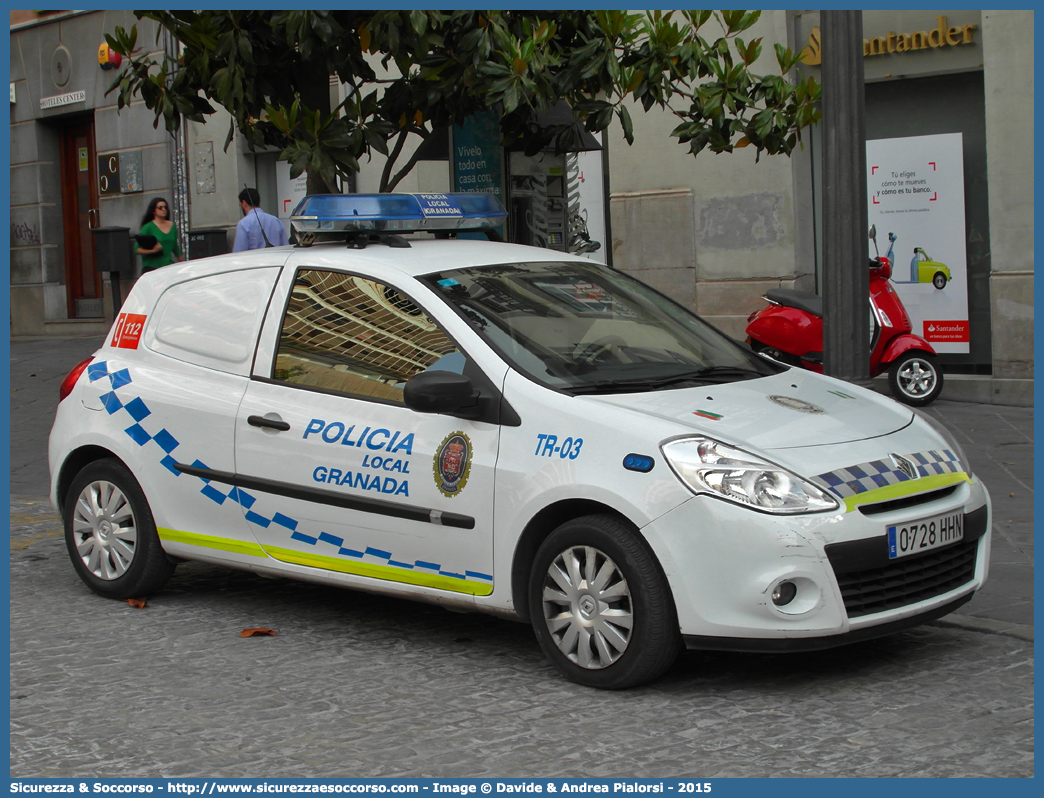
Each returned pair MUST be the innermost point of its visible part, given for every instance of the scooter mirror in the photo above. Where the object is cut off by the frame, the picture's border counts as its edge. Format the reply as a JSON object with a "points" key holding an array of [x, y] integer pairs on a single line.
{"points": [[873, 233]]}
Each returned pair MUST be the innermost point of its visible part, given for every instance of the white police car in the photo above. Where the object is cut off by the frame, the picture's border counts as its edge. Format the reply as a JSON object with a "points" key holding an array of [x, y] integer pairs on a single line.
{"points": [[507, 429]]}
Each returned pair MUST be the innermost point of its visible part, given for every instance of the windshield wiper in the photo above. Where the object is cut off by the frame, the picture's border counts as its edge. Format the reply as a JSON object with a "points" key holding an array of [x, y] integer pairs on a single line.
{"points": [[724, 371], [704, 376]]}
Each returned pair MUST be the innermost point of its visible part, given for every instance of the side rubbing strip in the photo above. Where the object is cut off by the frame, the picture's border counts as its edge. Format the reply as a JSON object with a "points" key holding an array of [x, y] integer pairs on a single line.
{"points": [[331, 498], [455, 584], [211, 542]]}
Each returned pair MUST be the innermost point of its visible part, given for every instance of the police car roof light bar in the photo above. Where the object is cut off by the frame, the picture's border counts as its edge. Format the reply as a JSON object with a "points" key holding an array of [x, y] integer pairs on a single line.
{"points": [[321, 215]]}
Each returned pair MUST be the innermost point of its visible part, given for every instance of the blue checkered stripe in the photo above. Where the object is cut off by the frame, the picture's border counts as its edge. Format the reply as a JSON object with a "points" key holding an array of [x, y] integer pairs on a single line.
{"points": [[139, 411], [856, 479], [136, 409]]}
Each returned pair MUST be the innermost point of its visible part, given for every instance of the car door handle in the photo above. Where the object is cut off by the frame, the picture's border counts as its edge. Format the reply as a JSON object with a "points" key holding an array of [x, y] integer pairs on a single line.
{"points": [[261, 421]]}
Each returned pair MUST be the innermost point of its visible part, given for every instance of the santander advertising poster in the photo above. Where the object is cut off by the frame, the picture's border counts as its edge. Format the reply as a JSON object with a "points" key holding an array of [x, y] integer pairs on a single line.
{"points": [[916, 188]]}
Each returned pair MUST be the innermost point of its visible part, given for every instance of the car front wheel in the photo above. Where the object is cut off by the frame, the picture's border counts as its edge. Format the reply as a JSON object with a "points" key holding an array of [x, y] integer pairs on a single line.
{"points": [[110, 534], [600, 605]]}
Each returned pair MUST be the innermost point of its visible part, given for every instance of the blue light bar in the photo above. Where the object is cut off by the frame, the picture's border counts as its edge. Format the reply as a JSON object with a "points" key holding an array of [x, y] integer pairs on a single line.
{"points": [[335, 213]]}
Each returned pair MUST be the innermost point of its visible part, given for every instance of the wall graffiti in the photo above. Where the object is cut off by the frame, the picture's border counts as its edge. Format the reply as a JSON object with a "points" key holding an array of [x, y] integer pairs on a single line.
{"points": [[25, 234]]}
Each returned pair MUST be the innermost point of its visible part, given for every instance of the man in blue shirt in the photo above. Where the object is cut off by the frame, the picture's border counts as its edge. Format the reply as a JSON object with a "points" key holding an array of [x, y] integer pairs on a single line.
{"points": [[254, 221]]}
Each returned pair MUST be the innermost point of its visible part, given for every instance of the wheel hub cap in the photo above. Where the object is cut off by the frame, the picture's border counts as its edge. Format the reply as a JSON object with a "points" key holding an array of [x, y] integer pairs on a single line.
{"points": [[587, 607], [104, 530], [916, 379]]}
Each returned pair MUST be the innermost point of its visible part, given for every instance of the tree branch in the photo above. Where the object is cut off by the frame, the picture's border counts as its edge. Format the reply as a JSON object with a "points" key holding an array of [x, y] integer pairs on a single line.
{"points": [[408, 167], [392, 157]]}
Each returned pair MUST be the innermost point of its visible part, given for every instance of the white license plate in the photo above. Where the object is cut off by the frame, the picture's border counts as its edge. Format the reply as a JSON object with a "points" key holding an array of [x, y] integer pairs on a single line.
{"points": [[925, 534]]}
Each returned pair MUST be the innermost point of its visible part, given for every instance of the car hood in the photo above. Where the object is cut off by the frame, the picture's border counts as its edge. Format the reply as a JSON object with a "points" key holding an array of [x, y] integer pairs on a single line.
{"points": [[792, 409]]}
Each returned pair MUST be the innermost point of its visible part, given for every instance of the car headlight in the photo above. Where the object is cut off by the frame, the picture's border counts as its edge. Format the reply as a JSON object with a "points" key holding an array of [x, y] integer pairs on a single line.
{"points": [[708, 466], [946, 435]]}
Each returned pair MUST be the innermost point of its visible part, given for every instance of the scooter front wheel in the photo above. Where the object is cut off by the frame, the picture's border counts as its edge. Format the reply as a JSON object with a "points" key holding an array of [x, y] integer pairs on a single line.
{"points": [[915, 378]]}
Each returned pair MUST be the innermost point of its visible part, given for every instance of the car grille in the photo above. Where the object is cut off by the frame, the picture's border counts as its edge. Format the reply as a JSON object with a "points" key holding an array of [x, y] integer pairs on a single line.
{"points": [[870, 582], [908, 580], [906, 501]]}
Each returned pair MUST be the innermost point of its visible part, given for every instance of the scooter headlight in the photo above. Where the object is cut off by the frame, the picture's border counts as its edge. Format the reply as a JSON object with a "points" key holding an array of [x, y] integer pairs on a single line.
{"points": [[946, 435], [707, 466]]}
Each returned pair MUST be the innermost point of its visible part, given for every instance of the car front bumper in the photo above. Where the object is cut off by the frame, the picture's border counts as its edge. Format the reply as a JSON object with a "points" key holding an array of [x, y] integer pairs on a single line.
{"points": [[723, 562]]}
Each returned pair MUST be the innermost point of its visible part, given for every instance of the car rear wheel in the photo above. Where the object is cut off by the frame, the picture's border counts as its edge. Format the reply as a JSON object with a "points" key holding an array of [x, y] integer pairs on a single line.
{"points": [[915, 379], [600, 605], [110, 534]]}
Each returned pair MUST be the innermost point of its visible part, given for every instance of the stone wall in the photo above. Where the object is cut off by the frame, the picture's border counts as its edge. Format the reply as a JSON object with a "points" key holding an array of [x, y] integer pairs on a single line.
{"points": [[712, 231], [1008, 72]]}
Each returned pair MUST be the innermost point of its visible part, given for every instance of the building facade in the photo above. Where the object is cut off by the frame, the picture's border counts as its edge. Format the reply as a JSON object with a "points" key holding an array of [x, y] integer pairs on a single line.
{"points": [[716, 231], [78, 163], [712, 232]]}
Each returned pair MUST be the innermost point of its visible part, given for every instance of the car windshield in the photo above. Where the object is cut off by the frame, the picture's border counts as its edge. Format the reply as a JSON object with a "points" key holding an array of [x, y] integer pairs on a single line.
{"points": [[585, 328]]}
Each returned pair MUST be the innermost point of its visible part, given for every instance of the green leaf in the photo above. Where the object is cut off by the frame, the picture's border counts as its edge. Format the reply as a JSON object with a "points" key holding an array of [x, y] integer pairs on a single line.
{"points": [[699, 18], [747, 20], [511, 98], [625, 122], [419, 22], [732, 20]]}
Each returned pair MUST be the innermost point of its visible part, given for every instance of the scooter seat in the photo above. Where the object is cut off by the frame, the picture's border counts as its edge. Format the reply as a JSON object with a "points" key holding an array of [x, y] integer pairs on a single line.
{"points": [[792, 298]]}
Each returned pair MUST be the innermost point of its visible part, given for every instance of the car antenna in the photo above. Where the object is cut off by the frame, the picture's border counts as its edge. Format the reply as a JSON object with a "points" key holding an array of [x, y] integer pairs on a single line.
{"points": [[267, 242]]}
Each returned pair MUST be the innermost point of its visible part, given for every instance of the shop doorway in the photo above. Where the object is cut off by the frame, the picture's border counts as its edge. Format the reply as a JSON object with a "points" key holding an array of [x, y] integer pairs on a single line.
{"points": [[79, 216]]}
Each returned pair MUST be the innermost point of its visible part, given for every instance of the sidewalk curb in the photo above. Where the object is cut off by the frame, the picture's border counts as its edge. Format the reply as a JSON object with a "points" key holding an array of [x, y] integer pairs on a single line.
{"points": [[986, 626]]}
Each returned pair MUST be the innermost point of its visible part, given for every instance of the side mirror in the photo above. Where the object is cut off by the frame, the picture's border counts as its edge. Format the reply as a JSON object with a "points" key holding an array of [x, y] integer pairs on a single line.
{"points": [[439, 392], [873, 232]]}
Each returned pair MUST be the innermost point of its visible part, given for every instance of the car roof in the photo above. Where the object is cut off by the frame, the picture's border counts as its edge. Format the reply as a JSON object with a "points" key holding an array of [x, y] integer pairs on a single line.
{"points": [[423, 256], [428, 255]]}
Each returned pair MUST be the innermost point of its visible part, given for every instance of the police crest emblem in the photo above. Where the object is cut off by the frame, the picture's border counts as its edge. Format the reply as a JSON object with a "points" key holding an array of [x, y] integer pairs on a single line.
{"points": [[452, 464], [793, 403]]}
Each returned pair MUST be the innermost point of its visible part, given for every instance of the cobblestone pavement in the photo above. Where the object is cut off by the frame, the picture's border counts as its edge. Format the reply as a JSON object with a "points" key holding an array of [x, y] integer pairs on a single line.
{"points": [[359, 685], [999, 442], [38, 366]]}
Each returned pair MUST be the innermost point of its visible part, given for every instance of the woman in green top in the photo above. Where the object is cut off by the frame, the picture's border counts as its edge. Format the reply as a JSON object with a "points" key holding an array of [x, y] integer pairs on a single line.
{"points": [[157, 222]]}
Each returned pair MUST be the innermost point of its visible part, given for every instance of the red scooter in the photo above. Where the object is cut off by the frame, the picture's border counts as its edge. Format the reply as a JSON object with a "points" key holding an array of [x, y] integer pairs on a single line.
{"points": [[790, 330]]}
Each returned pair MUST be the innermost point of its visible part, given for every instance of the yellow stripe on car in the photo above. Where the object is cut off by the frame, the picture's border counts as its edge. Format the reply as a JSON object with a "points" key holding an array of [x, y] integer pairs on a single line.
{"points": [[380, 571], [901, 489], [211, 542]]}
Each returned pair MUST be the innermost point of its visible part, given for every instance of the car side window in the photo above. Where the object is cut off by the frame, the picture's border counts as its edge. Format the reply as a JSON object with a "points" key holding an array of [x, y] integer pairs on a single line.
{"points": [[213, 321], [357, 336]]}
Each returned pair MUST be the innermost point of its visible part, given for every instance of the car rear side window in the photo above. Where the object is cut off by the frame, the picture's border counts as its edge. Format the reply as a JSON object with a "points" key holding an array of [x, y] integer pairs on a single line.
{"points": [[213, 321], [357, 336]]}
